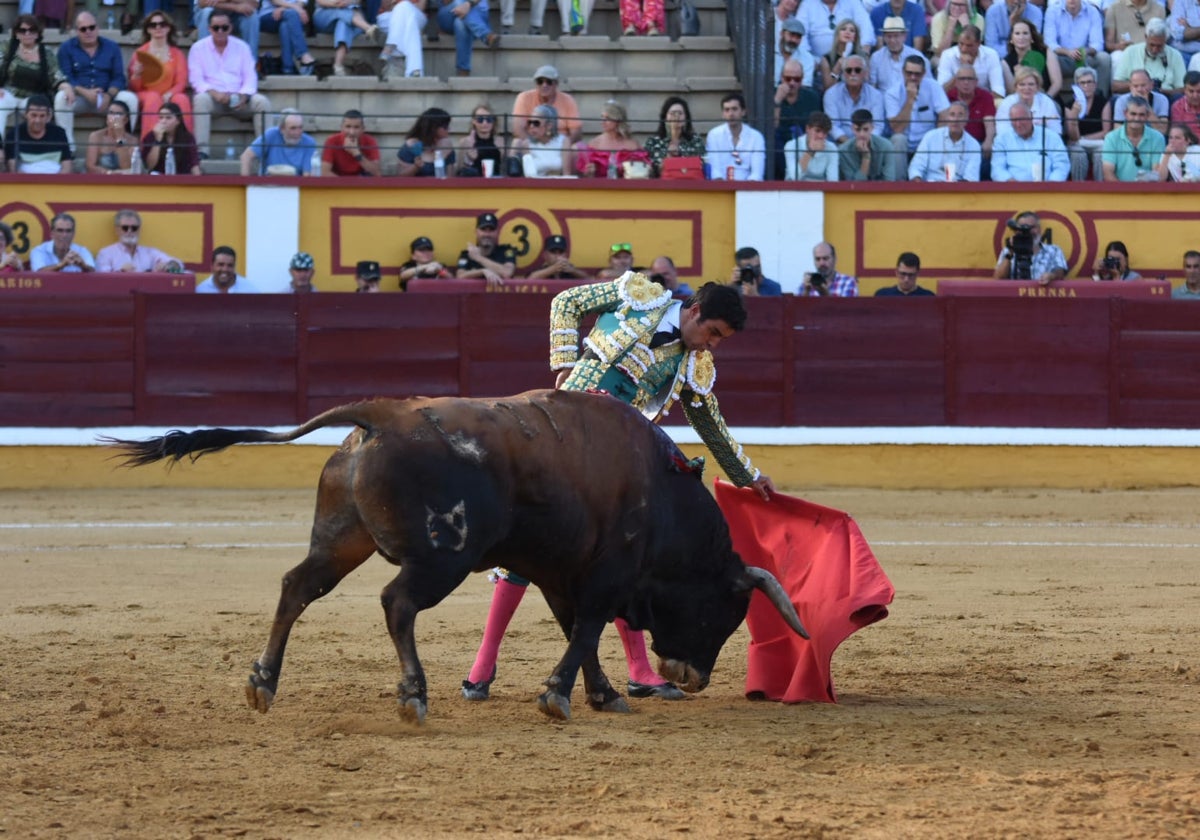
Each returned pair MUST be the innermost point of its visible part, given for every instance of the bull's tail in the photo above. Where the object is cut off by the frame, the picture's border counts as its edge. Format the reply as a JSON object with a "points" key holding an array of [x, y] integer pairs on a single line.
{"points": [[175, 445]]}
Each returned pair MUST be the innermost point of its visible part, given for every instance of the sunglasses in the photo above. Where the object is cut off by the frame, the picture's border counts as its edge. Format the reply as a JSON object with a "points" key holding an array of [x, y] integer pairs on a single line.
{"points": [[1137, 157], [851, 71], [91, 28], [63, 230], [796, 79], [130, 228], [534, 123], [1141, 21], [544, 82], [160, 24], [486, 119], [622, 246], [832, 22], [221, 27], [26, 30]]}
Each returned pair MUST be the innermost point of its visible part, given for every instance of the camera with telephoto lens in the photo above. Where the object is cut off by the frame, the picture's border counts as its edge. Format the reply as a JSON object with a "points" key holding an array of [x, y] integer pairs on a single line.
{"points": [[1111, 264], [747, 276], [1021, 245]]}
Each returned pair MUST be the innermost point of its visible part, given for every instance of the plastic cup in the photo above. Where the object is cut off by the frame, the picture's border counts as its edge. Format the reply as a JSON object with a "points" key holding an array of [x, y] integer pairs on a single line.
{"points": [[951, 171], [489, 167]]}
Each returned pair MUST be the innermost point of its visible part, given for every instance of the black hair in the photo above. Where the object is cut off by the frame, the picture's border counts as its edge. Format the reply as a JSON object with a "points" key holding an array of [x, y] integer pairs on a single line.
{"points": [[14, 44], [226, 250], [745, 253], [909, 259], [426, 127], [734, 97], [719, 302], [688, 132]]}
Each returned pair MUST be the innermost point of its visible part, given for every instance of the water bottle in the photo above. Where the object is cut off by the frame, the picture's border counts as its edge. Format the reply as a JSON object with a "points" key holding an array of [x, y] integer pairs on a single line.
{"points": [[169, 166], [439, 164], [135, 162], [230, 150], [612, 166], [111, 21], [314, 166]]}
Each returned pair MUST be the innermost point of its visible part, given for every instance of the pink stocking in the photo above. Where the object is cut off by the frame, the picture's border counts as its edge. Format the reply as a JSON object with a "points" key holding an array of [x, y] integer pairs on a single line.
{"points": [[635, 655], [505, 599]]}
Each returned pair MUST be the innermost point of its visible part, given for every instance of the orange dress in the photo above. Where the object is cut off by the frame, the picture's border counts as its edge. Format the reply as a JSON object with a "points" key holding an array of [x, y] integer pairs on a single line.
{"points": [[152, 84]]}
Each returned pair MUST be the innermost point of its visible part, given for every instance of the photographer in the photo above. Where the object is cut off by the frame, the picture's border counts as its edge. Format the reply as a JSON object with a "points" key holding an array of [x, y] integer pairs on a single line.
{"points": [[1114, 265], [1026, 257], [825, 281], [747, 276]]}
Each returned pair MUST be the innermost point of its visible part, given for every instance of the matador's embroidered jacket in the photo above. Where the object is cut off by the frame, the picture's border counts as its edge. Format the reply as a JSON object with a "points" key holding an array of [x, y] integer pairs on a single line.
{"points": [[618, 358]]}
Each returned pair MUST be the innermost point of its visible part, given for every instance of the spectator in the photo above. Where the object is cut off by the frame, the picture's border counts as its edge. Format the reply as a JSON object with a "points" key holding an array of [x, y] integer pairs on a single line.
{"points": [[794, 101], [1026, 49], [1000, 18], [9, 261], [287, 19], [221, 72], [913, 107], [479, 146], [736, 151], [981, 111], [852, 94], [343, 19], [813, 157], [367, 276], [821, 19], [620, 260], [27, 67], [1164, 63], [1181, 159], [556, 264], [887, 65], [865, 156], [224, 279], [95, 70], [1046, 262], [170, 138], [537, 16], [128, 254], [1141, 85], [111, 149], [243, 14], [1190, 290], [846, 43], [158, 71], [466, 20], [1125, 24], [1185, 27], [947, 153], [908, 266], [825, 281], [1083, 124], [545, 91], [486, 257], [675, 136], [301, 268], [544, 150], [1131, 151], [1041, 107], [421, 264], [948, 24], [284, 150], [61, 252], [791, 45], [351, 152], [404, 22], [988, 65], [916, 29], [1027, 152], [427, 142], [1186, 109], [1114, 265], [37, 146], [1074, 32], [747, 276], [663, 272], [612, 153], [642, 17]]}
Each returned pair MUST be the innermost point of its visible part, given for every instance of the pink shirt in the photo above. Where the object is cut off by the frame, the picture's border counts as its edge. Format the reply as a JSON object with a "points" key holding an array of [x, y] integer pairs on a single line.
{"points": [[1181, 113], [231, 71], [144, 258]]}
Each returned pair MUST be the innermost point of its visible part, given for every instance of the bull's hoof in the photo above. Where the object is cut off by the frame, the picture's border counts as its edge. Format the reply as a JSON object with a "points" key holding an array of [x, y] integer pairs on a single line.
{"points": [[412, 710], [555, 705], [608, 701], [260, 691]]}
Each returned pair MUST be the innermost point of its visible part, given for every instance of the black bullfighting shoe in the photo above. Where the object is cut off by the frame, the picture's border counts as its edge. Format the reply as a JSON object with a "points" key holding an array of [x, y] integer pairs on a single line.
{"points": [[665, 691], [479, 690]]}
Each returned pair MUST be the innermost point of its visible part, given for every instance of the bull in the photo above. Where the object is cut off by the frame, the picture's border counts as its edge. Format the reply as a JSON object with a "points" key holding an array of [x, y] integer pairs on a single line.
{"points": [[575, 491]]}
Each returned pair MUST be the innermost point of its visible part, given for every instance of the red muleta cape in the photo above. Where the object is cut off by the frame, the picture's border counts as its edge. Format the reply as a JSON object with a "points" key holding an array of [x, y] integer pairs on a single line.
{"points": [[829, 572]]}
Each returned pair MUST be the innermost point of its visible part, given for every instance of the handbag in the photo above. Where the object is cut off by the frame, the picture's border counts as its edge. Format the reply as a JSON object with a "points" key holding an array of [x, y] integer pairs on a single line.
{"points": [[683, 169]]}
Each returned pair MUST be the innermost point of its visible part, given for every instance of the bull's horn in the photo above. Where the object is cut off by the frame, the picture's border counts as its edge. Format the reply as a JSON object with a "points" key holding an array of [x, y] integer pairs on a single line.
{"points": [[766, 583]]}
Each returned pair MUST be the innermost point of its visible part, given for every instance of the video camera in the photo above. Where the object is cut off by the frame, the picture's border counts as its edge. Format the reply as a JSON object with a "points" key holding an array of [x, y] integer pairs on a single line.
{"points": [[1021, 246]]}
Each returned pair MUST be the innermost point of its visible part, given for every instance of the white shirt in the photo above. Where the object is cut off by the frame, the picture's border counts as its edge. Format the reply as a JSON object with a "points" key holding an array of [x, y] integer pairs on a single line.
{"points": [[1043, 107], [43, 256], [748, 157], [987, 67], [936, 149], [241, 286]]}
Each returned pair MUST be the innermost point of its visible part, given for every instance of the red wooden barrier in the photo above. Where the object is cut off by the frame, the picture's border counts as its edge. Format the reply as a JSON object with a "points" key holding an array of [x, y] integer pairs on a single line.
{"points": [[94, 283]]}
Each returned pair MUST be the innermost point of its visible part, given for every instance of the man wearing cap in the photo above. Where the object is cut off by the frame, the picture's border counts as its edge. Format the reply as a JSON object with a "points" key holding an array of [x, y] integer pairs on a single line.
{"points": [[301, 268], [887, 63], [557, 264], [422, 264], [366, 276], [790, 46], [486, 258], [620, 260], [224, 279], [545, 92], [652, 351], [912, 14]]}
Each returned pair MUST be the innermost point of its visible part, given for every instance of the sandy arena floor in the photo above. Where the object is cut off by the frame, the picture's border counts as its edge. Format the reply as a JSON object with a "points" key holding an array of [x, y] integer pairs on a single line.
{"points": [[1038, 677]]}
